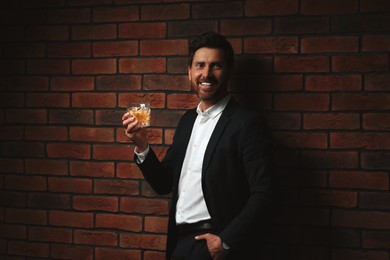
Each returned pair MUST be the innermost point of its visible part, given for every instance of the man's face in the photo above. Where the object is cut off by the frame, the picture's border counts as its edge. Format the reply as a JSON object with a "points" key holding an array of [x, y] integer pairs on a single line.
{"points": [[208, 74]]}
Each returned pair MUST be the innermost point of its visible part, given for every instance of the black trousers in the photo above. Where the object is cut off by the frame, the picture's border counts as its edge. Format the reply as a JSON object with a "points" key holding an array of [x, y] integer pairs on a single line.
{"points": [[188, 248]]}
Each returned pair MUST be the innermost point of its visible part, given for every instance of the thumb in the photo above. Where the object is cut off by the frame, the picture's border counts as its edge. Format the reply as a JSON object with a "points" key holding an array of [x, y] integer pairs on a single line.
{"points": [[200, 237]]}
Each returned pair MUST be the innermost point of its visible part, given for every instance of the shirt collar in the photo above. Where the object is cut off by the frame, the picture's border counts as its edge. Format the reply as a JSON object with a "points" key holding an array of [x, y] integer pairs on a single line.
{"points": [[214, 110]]}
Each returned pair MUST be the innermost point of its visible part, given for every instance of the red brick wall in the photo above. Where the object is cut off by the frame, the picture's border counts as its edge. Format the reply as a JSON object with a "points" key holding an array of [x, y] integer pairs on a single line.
{"points": [[318, 69]]}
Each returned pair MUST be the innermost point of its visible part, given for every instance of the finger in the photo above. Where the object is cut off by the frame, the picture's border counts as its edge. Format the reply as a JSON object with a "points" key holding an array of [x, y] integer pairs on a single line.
{"points": [[200, 237]]}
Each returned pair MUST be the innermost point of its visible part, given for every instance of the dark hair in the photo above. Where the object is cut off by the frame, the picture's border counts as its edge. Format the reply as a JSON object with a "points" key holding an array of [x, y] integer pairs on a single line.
{"points": [[211, 40]]}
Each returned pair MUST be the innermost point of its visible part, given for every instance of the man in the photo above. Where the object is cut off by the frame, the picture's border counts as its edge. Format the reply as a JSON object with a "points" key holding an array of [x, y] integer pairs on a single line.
{"points": [[217, 168]]}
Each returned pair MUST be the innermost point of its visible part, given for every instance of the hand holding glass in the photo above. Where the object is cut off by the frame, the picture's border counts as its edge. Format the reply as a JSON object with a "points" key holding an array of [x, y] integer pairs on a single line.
{"points": [[141, 111]]}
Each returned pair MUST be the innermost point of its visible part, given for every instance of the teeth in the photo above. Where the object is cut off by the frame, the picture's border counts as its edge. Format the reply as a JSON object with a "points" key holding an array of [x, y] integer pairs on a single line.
{"points": [[206, 84]]}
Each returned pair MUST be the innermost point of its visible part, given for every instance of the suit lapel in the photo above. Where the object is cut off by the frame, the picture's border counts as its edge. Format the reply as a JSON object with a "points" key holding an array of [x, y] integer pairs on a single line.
{"points": [[217, 133]]}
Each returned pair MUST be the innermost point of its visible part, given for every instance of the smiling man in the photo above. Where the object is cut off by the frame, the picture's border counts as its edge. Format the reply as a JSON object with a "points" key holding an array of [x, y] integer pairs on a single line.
{"points": [[217, 168]]}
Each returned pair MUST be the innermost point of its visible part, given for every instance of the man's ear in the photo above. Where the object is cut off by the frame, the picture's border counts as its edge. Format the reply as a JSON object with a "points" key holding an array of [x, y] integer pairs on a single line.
{"points": [[189, 73]]}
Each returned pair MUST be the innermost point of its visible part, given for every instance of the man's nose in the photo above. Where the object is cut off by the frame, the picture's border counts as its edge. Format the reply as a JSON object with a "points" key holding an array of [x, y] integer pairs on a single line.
{"points": [[207, 72]]}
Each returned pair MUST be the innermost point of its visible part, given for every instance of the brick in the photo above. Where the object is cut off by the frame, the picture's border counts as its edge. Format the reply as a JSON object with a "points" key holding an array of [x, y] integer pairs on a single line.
{"points": [[26, 216], [330, 44], [163, 47], [375, 200], [150, 255], [94, 203], [117, 187], [71, 219], [88, 2], [23, 16], [72, 49], [341, 199], [46, 167], [118, 82], [28, 249], [47, 100], [246, 26], [12, 100], [119, 222], [91, 134], [374, 5], [142, 30], [302, 140], [376, 43], [165, 12], [109, 117], [23, 149], [368, 141], [301, 25], [373, 63], [271, 8], [93, 100], [49, 201], [128, 170], [47, 33], [182, 101], [11, 133], [12, 199], [95, 238], [70, 185], [71, 117], [11, 165], [48, 67], [358, 219], [72, 83], [49, 234], [112, 152], [271, 45], [177, 65], [94, 32], [69, 16], [376, 121], [166, 82], [190, 28], [166, 118], [156, 100], [301, 64], [115, 253], [216, 10], [63, 251], [275, 83], [283, 120], [376, 160], [301, 102], [312, 7], [95, 66], [361, 23], [377, 82], [28, 83], [351, 254], [331, 121], [13, 231], [154, 136], [12, 67], [46, 133], [115, 14], [117, 48], [68, 150], [333, 82], [359, 180], [146, 241], [156, 224], [144, 206], [331, 237], [330, 159], [376, 239], [360, 102], [24, 50], [92, 169], [28, 183], [142, 65]]}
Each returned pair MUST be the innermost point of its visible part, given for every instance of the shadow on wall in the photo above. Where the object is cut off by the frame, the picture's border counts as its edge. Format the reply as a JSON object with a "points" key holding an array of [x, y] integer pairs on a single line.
{"points": [[302, 217]]}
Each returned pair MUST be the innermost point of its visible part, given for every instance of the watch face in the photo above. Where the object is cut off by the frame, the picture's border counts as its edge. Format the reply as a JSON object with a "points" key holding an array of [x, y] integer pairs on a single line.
{"points": [[225, 246]]}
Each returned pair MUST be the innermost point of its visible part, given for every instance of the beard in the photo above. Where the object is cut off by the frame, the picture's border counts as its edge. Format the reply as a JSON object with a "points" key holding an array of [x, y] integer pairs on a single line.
{"points": [[209, 89]]}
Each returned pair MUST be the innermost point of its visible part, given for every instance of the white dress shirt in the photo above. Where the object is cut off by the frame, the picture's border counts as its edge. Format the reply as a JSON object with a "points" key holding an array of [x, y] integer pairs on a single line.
{"points": [[191, 206]]}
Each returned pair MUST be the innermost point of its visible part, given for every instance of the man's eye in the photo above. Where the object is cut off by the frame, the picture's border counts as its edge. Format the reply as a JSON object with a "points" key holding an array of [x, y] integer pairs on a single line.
{"points": [[217, 66]]}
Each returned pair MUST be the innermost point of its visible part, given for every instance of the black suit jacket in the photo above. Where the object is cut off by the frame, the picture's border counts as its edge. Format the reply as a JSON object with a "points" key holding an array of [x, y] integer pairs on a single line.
{"points": [[236, 177]]}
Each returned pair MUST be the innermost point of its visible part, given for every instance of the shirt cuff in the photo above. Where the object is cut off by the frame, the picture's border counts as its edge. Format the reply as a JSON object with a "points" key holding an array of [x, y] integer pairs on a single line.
{"points": [[141, 156]]}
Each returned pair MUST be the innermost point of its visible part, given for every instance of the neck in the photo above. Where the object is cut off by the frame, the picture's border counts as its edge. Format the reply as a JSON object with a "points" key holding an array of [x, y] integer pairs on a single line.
{"points": [[206, 104]]}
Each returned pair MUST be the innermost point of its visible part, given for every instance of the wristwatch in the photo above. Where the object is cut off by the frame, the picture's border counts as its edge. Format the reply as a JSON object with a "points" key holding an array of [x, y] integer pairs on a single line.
{"points": [[225, 246]]}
